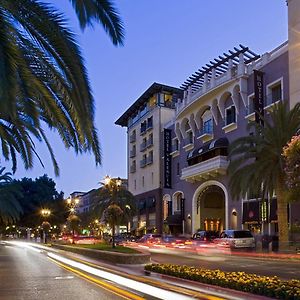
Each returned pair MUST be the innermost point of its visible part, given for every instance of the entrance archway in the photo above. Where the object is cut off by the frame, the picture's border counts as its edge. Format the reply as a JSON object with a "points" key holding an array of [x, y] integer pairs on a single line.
{"points": [[210, 203]]}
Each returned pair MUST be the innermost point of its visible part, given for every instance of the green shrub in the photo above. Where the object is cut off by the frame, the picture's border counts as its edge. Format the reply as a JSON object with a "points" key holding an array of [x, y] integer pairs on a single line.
{"points": [[250, 283]]}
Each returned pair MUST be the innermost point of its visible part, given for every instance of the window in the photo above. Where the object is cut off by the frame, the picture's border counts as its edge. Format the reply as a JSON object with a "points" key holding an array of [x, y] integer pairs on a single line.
{"points": [[150, 123], [190, 137], [152, 178], [150, 140], [150, 158], [178, 169], [276, 93], [143, 127], [178, 198], [143, 110], [143, 181], [208, 126], [135, 184], [230, 115], [207, 122]]}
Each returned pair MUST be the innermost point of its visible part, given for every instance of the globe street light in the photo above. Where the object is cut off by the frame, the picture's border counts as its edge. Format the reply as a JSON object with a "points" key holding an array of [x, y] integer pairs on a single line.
{"points": [[72, 204], [45, 214]]}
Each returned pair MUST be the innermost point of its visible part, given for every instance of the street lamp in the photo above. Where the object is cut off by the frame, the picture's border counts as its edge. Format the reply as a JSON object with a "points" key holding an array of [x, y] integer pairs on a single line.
{"points": [[72, 204], [45, 214]]}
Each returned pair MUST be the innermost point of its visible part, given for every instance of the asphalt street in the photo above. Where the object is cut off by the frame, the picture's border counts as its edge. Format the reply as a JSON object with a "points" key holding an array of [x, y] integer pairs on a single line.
{"points": [[25, 274], [285, 269]]}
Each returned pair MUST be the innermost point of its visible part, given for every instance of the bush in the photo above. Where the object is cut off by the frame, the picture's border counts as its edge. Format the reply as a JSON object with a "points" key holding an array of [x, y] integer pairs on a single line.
{"points": [[241, 281]]}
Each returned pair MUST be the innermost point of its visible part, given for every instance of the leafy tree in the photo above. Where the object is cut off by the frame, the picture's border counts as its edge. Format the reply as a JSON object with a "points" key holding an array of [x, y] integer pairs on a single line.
{"points": [[291, 154], [114, 194], [43, 80], [257, 164], [112, 215]]}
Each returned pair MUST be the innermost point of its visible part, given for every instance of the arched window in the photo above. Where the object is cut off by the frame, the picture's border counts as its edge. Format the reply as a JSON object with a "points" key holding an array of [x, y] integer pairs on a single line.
{"points": [[177, 201], [207, 122], [230, 111]]}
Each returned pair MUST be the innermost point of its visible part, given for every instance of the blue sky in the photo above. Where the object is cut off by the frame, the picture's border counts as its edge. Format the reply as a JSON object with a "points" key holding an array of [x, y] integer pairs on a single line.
{"points": [[166, 41]]}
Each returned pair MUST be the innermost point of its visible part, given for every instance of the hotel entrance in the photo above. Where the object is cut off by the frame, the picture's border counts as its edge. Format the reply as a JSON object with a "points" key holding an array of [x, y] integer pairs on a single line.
{"points": [[210, 209]]}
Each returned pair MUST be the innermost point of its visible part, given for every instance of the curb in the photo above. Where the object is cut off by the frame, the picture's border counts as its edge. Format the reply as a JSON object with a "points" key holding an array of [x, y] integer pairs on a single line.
{"points": [[225, 292]]}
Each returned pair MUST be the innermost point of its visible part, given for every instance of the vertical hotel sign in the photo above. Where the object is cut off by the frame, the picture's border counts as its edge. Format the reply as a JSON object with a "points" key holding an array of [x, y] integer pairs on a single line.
{"points": [[168, 158], [258, 97]]}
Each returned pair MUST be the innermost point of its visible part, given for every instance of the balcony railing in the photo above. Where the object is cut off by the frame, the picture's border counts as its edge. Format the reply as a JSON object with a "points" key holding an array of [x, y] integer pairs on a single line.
{"points": [[143, 163], [132, 169], [143, 146], [132, 138], [205, 131], [150, 142], [211, 167], [149, 160], [132, 153]]}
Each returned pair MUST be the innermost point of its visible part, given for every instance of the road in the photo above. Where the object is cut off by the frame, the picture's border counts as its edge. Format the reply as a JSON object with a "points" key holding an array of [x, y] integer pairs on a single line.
{"points": [[26, 274], [284, 269], [31, 271]]}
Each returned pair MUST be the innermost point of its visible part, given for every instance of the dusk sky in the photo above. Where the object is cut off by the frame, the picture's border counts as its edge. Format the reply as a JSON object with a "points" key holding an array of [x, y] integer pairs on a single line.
{"points": [[166, 41]]}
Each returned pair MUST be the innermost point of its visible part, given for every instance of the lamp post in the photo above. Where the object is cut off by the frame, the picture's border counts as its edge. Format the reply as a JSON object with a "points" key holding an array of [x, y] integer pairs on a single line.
{"points": [[72, 204], [45, 214]]}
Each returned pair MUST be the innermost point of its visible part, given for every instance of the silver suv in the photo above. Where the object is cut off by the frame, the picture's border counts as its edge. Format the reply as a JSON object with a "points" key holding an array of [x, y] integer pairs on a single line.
{"points": [[236, 239]]}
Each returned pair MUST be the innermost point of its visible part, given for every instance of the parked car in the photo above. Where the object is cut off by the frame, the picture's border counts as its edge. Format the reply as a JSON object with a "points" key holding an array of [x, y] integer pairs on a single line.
{"points": [[150, 238], [205, 235], [86, 240], [236, 239]]}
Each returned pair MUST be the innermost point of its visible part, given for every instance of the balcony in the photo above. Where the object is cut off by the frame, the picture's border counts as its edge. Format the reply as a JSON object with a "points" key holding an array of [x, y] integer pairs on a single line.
{"points": [[132, 138], [150, 142], [132, 169], [150, 125], [143, 163], [205, 134], [175, 149], [230, 123], [209, 168], [188, 143], [271, 100], [132, 153], [149, 160], [143, 146]]}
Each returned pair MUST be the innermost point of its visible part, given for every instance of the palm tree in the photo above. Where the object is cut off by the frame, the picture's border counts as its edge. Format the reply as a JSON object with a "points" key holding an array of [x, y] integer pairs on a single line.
{"points": [[110, 194], [112, 215], [43, 81], [5, 177], [10, 207], [257, 164]]}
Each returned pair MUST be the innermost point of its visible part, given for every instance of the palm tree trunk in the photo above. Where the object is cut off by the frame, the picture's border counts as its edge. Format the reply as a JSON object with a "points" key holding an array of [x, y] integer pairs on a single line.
{"points": [[113, 235], [282, 214]]}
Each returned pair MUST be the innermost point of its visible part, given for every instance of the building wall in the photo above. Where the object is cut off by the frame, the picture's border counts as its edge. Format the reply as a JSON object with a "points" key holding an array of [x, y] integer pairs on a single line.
{"points": [[294, 50], [275, 66]]}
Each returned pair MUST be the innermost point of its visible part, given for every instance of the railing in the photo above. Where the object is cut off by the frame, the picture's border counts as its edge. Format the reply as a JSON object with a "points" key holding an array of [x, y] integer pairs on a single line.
{"points": [[143, 163], [132, 169], [272, 99], [132, 153], [132, 138], [149, 160], [175, 147], [150, 142], [143, 146], [203, 131]]}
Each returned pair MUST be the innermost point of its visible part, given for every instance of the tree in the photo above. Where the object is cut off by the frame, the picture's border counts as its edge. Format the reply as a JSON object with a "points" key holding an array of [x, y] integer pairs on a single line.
{"points": [[10, 208], [257, 164], [291, 154], [113, 194], [112, 215], [43, 80]]}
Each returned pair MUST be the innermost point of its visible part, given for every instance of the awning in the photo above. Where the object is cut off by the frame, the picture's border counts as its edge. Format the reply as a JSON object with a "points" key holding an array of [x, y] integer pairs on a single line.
{"points": [[251, 212], [174, 220], [221, 143]]}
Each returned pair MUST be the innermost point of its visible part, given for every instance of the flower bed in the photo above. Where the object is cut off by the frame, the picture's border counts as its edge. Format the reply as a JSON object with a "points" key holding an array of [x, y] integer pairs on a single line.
{"points": [[250, 283]]}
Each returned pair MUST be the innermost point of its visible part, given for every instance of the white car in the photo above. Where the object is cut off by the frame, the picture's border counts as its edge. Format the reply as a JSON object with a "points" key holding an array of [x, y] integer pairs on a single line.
{"points": [[236, 239]]}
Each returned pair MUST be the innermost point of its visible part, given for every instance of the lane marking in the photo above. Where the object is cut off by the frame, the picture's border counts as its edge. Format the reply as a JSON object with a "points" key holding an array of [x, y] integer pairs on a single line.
{"points": [[165, 286], [106, 286]]}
